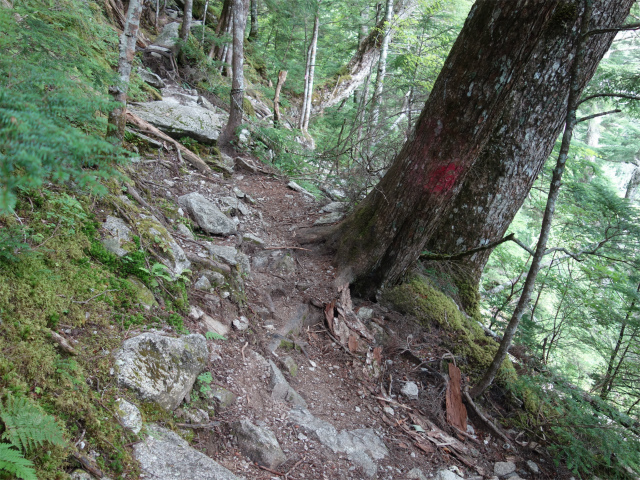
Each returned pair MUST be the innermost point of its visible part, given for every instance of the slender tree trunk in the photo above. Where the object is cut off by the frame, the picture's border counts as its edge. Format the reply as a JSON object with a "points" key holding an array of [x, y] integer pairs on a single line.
{"points": [[554, 190], [607, 384], [385, 234], [253, 32], [382, 65], [186, 20], [237, 85], [224, 27], [204, 20], [310, 72], [507, 166], [282, 77], [117, 117]]}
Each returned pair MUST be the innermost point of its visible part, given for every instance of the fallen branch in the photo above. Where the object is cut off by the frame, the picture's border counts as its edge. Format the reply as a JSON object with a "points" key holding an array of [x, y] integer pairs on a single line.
{"points": [[206, 262], [488, 423], [198, 425], [87, 464], [191, 157], [63, 343], [287, 248]]}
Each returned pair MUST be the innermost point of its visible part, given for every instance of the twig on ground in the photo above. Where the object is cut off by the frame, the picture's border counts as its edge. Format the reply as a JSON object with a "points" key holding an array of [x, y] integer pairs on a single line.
{"points": [[485, 420]]}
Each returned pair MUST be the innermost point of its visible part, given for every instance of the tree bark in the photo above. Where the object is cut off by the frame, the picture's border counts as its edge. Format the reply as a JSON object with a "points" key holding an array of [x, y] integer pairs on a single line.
{"points": [[305, 115], [282, 77], [253, 31], [237, 84], [554, 190], [386, 232], [117, 117], [186, 20], [365, 58], [507, 166], [224, 27]]}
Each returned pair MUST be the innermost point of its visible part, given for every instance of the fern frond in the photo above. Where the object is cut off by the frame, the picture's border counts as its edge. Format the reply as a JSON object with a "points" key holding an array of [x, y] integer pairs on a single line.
{"points": [[27, 427], [13, 462]]}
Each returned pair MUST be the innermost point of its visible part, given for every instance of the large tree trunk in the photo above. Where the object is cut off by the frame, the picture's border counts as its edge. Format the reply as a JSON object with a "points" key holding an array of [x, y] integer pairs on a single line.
{"points": [[305, 114], [237, 84], [365, 58], [521, 141], [386, 232], [117, 117], [554, 190]]}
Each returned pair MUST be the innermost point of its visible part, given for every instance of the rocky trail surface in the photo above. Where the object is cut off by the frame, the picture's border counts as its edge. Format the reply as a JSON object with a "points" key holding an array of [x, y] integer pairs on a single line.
{"points": [[269, 382]]}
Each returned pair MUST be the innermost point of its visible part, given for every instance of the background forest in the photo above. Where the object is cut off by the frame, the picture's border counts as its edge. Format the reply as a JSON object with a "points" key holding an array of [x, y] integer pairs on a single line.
{"points": [[577, 350]]}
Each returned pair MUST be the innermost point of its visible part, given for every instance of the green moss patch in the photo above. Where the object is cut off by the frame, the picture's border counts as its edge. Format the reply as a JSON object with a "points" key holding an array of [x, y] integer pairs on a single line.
{"points": [[420, 298]]}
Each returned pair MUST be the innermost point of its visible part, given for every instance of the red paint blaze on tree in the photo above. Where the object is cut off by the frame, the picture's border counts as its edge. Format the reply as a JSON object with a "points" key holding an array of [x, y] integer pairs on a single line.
{"points": [[386, 232], [443, 179]]}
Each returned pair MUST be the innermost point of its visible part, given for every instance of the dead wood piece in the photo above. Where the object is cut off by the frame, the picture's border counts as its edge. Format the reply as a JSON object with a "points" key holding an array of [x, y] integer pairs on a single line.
{"points": [[88, 464], [191, 157], [199, 425], [208, 263], [456, 411], [138, 198], [488, 423], [63, 343]]}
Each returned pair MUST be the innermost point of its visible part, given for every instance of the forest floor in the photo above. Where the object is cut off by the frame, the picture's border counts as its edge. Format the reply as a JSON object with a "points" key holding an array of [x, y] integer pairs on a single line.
{"points": [[286, 292]]}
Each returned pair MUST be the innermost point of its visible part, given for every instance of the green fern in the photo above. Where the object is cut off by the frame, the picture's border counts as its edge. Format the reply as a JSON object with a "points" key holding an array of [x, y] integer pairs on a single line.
{"points": [[26, 426], [13, 462]]}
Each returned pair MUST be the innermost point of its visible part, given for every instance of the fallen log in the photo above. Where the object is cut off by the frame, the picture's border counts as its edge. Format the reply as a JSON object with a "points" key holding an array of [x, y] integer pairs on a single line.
{"points": [[189, 156]]}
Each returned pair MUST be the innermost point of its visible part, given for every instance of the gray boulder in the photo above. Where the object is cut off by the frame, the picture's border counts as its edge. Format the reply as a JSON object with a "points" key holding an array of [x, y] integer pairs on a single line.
{"points": [[281, 390], [128, 415], [207, 215], [150, 78], [234, 206], [179, 120], [168, 38], [258, 443], [502, 469], [329, 218], [161, 369], [163, 455], [117, 234], [224, 253], [362, 446], [335, 207]]}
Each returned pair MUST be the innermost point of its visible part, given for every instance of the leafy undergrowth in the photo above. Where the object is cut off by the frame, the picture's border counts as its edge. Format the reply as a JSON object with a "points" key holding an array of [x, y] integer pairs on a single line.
{"points": [[56, 276]]}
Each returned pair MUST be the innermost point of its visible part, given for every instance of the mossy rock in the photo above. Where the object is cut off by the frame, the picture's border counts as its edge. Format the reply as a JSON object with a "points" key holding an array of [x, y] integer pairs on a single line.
{"points": [[247, 107], [420, 298]]}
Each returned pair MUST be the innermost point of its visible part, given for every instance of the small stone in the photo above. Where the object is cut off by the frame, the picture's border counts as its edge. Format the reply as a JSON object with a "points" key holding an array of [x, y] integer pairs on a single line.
{"points": [[213, 325], [365, 313], [416, 474], [207, 215], [251, 238], [184, 231], [223, 253], [223, 397], [335, 207], [502, 469], [410, 390], [239, 193], [216, 278], [203, 283], [195, 415], [389, 411], [447, 475], [241, 324], [533, 467], [195, 313], [329, 218], [258, 443], [129, 415], [291, 365]]}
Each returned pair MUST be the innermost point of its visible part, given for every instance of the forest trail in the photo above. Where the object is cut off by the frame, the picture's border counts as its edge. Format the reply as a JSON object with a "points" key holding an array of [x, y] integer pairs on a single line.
{"points": [[391, 386]]}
